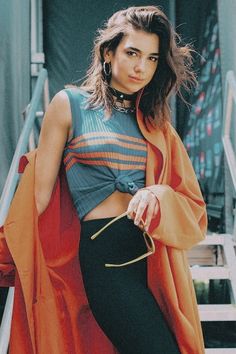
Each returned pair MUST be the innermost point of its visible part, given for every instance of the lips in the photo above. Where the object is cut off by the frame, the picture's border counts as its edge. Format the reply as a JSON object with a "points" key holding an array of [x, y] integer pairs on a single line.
{"points": [[137, 79]]}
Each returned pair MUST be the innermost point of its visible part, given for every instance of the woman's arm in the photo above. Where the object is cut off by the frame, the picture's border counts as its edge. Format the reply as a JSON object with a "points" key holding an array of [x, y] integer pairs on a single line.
{"points": [[176, 211], [54, 134], [182, 219]]}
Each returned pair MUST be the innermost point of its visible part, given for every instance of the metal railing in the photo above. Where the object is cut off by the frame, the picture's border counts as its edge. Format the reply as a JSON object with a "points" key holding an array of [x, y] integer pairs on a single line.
{"points": [[230, 99], [229, 130], [41, 88]]}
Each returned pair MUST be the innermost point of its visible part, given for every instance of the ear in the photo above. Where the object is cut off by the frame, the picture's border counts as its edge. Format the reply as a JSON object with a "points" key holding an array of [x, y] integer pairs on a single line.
{"points": [[107, 55]]}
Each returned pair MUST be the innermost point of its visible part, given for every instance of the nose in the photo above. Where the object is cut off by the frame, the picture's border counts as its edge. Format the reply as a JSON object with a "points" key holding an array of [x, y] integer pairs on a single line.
{"points": [[140, 65]]}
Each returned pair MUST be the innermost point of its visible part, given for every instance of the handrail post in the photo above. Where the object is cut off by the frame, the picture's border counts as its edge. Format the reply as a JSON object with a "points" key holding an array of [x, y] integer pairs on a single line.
{"points": [[41, 87], [228, 144]]}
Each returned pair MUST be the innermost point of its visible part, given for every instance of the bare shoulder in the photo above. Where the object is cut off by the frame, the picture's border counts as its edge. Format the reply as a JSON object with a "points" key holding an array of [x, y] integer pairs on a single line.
{"points": [[59, 109]]}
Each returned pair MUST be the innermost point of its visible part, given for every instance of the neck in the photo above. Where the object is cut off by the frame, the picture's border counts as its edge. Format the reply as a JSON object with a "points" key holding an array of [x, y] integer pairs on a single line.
{"points": [[121, 99]]}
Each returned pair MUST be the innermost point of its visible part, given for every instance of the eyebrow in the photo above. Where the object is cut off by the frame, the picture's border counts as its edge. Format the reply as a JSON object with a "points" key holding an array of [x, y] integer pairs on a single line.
{"points": [[139, 51]]}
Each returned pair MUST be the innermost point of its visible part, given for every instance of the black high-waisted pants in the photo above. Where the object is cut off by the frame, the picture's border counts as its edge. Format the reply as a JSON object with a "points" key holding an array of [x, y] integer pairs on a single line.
{"points": [[119, 298]]}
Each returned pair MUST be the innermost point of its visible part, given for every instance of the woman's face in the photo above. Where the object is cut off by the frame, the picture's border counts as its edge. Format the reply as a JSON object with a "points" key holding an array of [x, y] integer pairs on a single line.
{"points": [[134, 61]]}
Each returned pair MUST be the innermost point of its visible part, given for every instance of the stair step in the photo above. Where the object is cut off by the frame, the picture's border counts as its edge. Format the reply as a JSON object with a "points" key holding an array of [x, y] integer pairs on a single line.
{"points": [[217, 312], [217, 239], [213, 240], [205, 273], [221, 351]]}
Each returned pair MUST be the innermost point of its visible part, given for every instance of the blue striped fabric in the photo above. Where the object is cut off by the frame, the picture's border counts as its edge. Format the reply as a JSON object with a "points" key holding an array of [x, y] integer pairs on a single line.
{"points": [[103, 155]]}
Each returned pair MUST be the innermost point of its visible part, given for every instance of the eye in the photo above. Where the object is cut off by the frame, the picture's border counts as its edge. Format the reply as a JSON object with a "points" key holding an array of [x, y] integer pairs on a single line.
{"points": [[131, 53], [154, 59]]}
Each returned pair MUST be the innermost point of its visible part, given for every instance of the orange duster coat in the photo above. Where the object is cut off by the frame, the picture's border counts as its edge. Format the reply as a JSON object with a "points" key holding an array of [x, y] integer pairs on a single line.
{"points": [[51, 313]]}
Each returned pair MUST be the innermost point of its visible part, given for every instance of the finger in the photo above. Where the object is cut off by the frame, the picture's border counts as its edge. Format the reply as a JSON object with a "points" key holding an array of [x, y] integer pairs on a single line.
{"points": [[132, 207], [156, 208], [140, 210], [150, 213]]}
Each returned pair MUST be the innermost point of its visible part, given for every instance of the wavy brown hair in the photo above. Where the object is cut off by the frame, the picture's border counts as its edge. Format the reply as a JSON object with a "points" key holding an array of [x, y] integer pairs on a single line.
{"points": [[174, 64]]}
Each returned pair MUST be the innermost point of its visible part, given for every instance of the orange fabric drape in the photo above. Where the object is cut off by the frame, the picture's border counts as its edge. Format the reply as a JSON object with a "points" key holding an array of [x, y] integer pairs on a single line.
{"points": [[51, 313]]}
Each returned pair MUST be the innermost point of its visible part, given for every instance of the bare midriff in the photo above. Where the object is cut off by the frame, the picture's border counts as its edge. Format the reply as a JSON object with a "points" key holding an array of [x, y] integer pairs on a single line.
{"points": [[114, 205]]}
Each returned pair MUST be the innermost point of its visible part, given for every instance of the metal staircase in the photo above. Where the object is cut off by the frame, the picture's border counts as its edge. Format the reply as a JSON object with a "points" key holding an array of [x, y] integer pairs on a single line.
{"points": [[225, 243], [219, 312], [24, 143]]}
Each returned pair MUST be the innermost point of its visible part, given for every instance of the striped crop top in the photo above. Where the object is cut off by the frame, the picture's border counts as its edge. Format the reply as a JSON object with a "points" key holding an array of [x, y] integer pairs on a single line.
{"points": [[103, 154]]}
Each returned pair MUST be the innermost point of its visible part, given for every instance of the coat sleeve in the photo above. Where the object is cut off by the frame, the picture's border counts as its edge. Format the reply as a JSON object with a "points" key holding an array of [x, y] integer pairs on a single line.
{"points": [[181, 221]]}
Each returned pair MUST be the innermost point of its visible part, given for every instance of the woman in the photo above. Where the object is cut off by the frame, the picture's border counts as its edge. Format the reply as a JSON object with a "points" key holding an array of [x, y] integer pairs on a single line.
{"points": [[122, 157]]}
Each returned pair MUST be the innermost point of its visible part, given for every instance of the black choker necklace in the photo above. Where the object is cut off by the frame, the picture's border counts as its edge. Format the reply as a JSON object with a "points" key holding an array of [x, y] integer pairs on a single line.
{"points": [[121, 96]]}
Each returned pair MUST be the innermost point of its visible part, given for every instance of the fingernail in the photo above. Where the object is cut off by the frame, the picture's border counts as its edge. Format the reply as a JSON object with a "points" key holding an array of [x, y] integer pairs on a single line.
{"points": [[136, 222]]}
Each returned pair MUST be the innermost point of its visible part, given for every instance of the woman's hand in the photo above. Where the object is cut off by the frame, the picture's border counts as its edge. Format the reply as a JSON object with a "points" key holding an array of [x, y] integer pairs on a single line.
{"points": [[142, 200]]}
